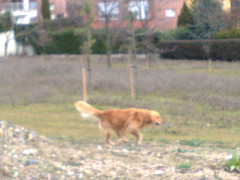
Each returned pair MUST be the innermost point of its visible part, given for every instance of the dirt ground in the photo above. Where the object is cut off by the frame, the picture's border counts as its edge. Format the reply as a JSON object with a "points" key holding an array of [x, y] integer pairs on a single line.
{"points": [[26, 155]]}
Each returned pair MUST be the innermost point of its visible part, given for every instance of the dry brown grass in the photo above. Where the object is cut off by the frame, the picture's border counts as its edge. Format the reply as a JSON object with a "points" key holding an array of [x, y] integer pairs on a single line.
{"points": [[195, 103]]}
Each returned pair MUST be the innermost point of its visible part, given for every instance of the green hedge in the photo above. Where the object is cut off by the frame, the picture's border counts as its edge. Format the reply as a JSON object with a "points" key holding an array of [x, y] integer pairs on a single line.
{"points": [[182, 51], [227, 50], [65, 42]]}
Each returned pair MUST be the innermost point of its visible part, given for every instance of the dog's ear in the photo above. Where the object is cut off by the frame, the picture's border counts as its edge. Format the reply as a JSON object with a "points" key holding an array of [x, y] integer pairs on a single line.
{"points": [[147, 118], [143, 117]]}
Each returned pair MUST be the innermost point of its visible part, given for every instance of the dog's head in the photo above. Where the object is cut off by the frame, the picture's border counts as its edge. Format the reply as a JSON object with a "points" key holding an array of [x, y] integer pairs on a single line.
{"points": [[156, 118]]}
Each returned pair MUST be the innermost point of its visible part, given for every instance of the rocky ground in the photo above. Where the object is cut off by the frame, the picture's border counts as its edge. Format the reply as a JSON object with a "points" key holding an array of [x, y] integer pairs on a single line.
{"points": [[26, 155]]}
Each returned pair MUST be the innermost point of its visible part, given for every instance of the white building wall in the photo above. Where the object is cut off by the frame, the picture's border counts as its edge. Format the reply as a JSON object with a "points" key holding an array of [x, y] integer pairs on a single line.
{"points": [[11, 43], [13, 48]]}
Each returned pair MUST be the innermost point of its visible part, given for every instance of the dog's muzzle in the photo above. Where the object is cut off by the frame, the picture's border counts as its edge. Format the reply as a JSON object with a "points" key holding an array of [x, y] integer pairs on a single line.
{"points": [[158, 124]]}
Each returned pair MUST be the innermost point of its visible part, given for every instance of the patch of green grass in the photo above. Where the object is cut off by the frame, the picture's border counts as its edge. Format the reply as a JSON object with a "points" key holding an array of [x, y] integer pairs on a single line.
{"points": [[234, 163], [54, 120], [63, 121], [180, 150], [192, 142], [184, 166]]}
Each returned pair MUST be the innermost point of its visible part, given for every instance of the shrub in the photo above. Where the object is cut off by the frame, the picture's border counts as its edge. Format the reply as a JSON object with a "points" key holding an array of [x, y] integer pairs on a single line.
{"points": [[5, 21], [183, 51], [178, 33], [227, 34], [45, 9], [227, 50], [185, 17], [65, 42]]}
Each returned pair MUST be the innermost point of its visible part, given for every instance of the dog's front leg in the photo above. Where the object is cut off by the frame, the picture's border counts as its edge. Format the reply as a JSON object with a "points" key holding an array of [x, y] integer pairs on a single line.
{"points": [[138, 135]]}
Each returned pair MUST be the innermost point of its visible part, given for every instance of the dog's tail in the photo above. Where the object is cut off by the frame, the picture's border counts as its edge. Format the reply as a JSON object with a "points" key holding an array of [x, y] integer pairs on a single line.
{"points": [[86, 109]]}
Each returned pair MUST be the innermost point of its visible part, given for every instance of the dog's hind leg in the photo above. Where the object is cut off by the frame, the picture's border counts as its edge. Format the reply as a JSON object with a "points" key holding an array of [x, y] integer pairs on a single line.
{"points": [[108, 137], [138, 135], [122, 137]]}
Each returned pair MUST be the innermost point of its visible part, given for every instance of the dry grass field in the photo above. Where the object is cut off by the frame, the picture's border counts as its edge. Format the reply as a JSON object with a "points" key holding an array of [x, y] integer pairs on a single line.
{"points": [[199, 138], [196, 104]]}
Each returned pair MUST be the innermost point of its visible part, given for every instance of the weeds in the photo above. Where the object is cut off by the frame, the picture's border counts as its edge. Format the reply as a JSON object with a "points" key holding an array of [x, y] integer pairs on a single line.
{"points": [[234, 163], [192, 142], [184, 166]]}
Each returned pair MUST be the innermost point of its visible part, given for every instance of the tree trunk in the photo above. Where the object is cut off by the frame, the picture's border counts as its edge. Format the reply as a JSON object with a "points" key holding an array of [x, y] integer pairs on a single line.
{"points": [[109, 65], [5, 48], [108, 45]]}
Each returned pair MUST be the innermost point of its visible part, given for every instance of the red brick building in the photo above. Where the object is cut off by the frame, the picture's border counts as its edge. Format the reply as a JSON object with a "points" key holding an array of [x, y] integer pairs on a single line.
{"points": [[160, 15]]}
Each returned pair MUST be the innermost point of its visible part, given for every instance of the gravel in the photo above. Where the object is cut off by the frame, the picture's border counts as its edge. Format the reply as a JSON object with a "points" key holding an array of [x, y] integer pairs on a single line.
{"points": [[26, 155]]}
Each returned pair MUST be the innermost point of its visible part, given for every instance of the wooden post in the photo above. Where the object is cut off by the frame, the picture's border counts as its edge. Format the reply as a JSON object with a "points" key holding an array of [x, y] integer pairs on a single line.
{"points": [[132, 82], [84, 83], [209, 64], [147, 58]]}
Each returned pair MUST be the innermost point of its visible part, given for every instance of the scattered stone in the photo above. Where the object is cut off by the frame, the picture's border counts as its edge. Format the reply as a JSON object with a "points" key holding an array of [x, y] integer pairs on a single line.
{"points": [[31, 136], [5, 171], [80, 176], [158, 172], [125, 150], [99, 147], [26, 155], [70, 173], [15, 174], [228, 157], [30, 162], [30, 151]]}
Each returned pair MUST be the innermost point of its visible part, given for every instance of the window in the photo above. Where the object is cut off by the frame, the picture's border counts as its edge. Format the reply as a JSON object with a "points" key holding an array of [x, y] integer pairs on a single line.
{"points": [[108, 10], [60, 15], [51, 6], [140, 9], [170, 13], [33, 5]]}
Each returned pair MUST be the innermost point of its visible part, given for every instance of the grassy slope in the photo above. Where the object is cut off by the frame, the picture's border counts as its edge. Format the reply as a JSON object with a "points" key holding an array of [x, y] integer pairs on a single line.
{"points": [[186, 106], [62, 120]]}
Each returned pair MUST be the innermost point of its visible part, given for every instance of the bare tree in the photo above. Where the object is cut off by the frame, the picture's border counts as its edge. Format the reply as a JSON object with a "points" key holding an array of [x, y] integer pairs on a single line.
{"points": [[137, 11], [109, 11], [87, 13], [142, 11]]}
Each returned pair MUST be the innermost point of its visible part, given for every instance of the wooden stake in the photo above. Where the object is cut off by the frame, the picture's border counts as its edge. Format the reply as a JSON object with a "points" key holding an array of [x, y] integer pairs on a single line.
{"points": [[209, 65], [84, 84], [132, 82], [147, 61]]}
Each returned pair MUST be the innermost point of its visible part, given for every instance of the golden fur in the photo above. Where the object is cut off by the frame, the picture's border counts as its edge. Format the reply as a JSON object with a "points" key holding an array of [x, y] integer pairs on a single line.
{"points": [[121, 121]]}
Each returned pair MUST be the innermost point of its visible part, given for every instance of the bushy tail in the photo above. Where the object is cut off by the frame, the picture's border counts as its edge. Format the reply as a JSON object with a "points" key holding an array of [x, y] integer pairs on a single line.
{"points": [[86, 109]]}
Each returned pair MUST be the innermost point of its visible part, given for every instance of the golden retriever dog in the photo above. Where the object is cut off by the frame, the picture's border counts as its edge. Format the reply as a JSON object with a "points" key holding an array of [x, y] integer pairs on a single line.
{"points": [[121, 121]]}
